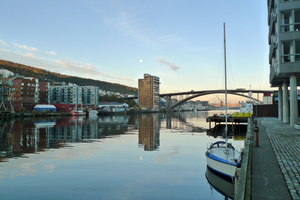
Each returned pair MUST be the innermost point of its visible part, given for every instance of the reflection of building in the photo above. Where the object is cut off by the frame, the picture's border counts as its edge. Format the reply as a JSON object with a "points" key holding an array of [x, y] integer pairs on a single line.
{"points": [[33, 135], [149, 92], [149, 132]]}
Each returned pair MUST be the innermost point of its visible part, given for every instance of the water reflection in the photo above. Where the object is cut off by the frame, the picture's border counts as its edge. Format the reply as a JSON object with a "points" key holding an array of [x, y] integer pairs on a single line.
{"points": [[101, 155], [235, 132], [149, 132], [220, 183], [33, 135]]}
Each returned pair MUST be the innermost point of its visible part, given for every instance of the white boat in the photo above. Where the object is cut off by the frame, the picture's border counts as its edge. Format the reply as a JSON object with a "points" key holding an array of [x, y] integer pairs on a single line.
{"points": [[93, 112], [222, 159], [221, 156], [78, 112]]}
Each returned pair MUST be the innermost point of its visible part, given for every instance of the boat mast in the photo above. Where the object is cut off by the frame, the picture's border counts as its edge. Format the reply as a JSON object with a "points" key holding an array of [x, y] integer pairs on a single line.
{"points": [[225, 85]]}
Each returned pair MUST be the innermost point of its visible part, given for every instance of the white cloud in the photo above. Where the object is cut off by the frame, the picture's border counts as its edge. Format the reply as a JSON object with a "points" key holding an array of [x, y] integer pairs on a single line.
{"points": [[171, 65], [3, 43], [26, 47], [31, 55], [53, 53], [85, 71]]}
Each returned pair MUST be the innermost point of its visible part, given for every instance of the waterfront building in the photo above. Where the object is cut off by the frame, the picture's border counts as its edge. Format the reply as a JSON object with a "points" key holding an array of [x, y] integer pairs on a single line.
{"points": [[73, 94], [22, 93], [41, 95], [149, 92], [284, 55]]}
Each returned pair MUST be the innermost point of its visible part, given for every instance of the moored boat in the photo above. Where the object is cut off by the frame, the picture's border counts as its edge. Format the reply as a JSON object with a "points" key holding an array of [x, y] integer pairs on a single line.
{"points": [[78, 112], [223, 160], [92, 112], [221, 156]]}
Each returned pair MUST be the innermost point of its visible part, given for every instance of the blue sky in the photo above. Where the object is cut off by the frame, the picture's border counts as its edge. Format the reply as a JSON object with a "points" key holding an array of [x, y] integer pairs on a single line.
{"points": [[180, 41]]}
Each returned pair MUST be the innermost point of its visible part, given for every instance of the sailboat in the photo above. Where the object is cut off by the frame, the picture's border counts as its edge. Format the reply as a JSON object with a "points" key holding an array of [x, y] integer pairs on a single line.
{"points": [[221, 156]]}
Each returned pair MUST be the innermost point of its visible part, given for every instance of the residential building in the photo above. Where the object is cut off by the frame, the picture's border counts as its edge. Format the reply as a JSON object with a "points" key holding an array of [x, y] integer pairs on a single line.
{"points": [[43, 92], [22, 93], [73, 94], [41, 95], [149, 92], [284, 55]]}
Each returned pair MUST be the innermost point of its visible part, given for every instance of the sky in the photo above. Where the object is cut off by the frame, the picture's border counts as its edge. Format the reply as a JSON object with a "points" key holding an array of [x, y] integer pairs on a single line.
{"points": [[118, 41]]}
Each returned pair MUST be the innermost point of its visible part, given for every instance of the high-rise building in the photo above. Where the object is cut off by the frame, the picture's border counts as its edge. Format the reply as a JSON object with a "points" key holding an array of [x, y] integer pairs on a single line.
{"points": [[284, 55], [149, 92]]}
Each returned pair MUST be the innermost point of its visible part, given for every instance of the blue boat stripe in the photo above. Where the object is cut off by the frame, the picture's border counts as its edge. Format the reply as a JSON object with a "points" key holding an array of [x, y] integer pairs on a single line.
{"points": [[220, 159]]}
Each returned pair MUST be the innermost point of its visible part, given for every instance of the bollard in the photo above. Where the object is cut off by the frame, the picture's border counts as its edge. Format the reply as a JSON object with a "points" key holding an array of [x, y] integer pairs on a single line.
{"points": [[255, 122], [256, 129]]}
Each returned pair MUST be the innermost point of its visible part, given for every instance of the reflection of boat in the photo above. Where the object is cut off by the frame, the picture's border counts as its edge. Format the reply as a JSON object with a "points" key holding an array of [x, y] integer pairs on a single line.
{"points": [[221, 184], [44, 124], [221, 156]]}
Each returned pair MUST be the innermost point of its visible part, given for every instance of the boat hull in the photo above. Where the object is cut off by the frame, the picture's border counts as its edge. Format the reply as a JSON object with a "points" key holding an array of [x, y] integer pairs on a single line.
{"points": [[77, 113], [221, 167]]}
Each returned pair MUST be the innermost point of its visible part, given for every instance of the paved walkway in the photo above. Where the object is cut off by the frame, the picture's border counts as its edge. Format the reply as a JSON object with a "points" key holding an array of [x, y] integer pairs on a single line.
{"points": [[276, 162]]}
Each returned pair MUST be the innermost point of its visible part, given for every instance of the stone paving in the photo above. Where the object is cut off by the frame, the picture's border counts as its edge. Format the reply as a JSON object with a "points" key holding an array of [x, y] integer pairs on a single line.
{"points": [[285, 142]]}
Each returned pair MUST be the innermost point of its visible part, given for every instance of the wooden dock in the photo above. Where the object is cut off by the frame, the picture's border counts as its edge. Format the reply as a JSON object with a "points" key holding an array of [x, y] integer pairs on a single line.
{"points": [[221, 119]]}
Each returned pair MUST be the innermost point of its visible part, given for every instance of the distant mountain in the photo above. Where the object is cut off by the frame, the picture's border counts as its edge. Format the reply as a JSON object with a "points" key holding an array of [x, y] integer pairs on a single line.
{"points": [[51, 77]]}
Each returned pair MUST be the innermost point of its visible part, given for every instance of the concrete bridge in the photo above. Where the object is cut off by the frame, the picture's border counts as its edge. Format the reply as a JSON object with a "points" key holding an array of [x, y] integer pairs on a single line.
{"points": [[193, 94]]}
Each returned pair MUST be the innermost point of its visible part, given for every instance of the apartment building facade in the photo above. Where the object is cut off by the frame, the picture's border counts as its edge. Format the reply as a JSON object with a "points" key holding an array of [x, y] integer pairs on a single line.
{"points": [[22, 93], [284, 55], [148, 93], [80, 95]]}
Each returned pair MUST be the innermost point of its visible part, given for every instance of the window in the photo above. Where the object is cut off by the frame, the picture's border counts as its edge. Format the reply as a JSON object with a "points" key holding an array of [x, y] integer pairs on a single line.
{"points": [[287, 50], [28, 84], [22, 84], [287, 21]]}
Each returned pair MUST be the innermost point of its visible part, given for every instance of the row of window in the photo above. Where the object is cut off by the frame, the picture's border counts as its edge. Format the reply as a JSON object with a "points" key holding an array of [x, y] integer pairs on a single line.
{"points": [[28, 84], [25, 98]]}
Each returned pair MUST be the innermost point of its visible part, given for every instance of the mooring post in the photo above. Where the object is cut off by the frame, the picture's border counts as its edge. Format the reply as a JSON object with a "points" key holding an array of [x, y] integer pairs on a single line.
{"points": [[256, 129], [255, 122]]}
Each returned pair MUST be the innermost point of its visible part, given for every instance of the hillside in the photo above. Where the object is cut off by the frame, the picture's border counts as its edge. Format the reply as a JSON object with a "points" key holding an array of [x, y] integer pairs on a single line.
{"points": [[42, 74]]}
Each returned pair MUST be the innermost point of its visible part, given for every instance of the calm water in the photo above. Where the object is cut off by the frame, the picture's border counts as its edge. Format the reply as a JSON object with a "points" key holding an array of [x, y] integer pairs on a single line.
{"points": [[153, 156]]}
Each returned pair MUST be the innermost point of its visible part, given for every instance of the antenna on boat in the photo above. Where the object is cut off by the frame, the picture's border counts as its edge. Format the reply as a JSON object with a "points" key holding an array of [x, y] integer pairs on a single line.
{"points": [[225, 87]]}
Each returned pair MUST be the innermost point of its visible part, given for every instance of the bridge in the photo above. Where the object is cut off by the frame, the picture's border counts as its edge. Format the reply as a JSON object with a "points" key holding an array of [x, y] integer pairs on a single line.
{"points": [[193, 94]]}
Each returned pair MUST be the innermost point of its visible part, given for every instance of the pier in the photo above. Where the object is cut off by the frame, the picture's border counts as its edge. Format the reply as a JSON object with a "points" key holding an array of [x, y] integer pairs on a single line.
{"points": [[221, 119]]}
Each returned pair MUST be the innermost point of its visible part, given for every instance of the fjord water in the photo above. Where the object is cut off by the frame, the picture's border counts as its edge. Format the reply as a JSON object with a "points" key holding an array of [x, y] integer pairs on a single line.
{"points": [[146, 156]]}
